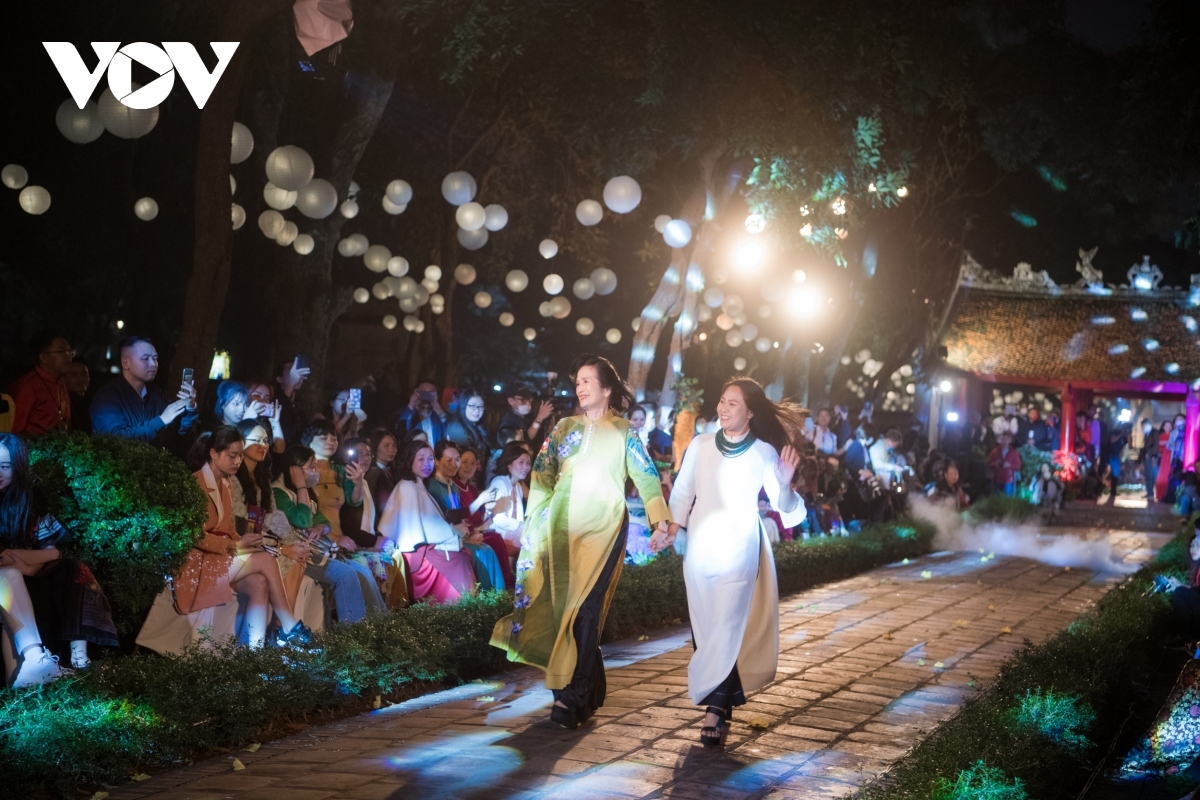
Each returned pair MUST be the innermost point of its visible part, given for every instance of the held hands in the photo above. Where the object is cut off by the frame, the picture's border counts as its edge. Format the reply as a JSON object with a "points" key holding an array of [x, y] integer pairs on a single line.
{"points": [[664, 536], [785, 467]]}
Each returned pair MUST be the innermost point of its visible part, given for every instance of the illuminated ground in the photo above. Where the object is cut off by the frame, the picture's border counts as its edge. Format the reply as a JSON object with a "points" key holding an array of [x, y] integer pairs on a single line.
{"points": [[869, 665]]}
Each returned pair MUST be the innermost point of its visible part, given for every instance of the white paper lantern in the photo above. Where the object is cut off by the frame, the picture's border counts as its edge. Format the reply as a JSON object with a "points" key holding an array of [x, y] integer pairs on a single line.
{"points": [[392, 208], [79, 125], [288, 235], [278, 199], [290, 167], [376, 258], [622, 194], [734, 339], [242, 144], [304, 245], [548, 248], [589, 213], [749, 331], [458, 188], [232, 185], [34, 200], [605, 280], [613, 336], [635, 323], [584, 326], [436, 299], [516, 280], [433, 272], [507, 319], [483, 299], [397, 266], [583, 288], [660, 222], [270, 222], [464, 274], [14, 176], [122, 121], [361, 295], [546, 308], [739, 363], [677, 233], [353, 191], [496, 217], [348, 209], [713, 297], [410, 322], [470, 216], [763, 344], [407, 288], [421, 295], [239, 216], [409, 304], [530, 334], [391, 286], [389, 321], [552, 283], [472, 240], [420, 326], [430, 285], [360, 243], [560, 307], [145, 209], [317, 199], [398, 192], [346, 248]]}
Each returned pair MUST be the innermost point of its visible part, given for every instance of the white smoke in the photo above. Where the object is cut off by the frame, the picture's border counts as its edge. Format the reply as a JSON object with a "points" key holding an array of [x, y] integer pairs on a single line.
{"points": [[1023, 541]]}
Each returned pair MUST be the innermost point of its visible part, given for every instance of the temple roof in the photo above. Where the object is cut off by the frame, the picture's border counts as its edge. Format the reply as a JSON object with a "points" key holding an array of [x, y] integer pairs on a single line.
{"points": [[1026, 327]]}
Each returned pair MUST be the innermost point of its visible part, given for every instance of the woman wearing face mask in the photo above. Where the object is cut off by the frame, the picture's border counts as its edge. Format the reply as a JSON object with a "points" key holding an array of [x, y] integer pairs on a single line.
{"points": [[576, 509], [465, 427], [733, 597], [223, 560], [350, 584], [438, 565]]}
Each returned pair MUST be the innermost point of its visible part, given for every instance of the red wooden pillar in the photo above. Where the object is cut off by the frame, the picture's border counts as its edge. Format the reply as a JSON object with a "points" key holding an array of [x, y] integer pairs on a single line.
{"points": [[1190, 444], [1068, 419]]}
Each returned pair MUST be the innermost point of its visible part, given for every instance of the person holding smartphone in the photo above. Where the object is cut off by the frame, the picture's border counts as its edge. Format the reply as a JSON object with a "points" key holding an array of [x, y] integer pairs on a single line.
{"points": [[129, 407], [423, 413]]}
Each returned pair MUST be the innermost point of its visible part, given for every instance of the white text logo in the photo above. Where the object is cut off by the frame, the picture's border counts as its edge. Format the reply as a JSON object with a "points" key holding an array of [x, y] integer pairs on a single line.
{"points": [[165, 61]]}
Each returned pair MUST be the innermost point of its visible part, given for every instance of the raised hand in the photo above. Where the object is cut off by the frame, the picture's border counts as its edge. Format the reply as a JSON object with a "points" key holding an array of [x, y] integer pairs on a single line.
{"points": [[785, 467], [355, 472]]}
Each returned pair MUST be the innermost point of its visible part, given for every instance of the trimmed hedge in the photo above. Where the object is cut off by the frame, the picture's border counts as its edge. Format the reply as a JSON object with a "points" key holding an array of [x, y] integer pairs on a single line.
{"points": [[136, 712], [1047, 719], [134, 512], [1001, 507]]}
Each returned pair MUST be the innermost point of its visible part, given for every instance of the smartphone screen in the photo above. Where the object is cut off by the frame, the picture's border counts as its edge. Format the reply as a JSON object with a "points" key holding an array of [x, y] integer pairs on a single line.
{"points": [[355, 401], [189, 376], [302, 362]]}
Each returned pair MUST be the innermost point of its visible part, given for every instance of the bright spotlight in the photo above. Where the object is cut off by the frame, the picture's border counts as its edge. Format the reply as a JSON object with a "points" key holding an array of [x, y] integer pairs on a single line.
{"points": [[804, 301], [944, 386], [749, 255], [951, 416], [496, 387], [1125, 415], [799, 276]]}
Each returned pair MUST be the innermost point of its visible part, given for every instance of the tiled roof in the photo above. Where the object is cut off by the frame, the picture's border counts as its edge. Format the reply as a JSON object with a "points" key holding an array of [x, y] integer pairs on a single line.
{"points": [[1077, 337]]}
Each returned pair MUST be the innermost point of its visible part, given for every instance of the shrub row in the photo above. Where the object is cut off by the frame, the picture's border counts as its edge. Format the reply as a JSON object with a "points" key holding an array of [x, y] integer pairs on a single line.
{"points": [[137, 712], [1047, 720]]}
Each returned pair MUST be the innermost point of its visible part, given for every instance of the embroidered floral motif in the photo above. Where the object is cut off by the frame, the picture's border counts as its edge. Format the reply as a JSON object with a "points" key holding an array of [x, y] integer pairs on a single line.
{"points": [[545, 514], [523, 601], [634, 446], [526, 541], [516, 628], [519, 590], [571, 441], [524, 565]]}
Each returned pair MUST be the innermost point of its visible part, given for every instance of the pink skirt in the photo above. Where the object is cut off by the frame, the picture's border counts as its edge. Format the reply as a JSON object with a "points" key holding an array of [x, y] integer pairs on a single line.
{"points": [[438, 575]]}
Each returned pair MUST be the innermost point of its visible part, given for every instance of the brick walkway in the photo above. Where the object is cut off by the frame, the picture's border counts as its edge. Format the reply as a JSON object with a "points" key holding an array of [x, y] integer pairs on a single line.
{"points": [[868, 666]]}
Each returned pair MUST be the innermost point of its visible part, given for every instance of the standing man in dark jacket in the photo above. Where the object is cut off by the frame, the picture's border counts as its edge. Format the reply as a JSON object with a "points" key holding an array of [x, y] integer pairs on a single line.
{"points": [[127, 406]]}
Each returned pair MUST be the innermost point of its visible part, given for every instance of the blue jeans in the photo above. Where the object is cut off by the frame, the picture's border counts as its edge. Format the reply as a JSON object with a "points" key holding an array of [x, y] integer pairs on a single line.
{"points": [[348, 591]]}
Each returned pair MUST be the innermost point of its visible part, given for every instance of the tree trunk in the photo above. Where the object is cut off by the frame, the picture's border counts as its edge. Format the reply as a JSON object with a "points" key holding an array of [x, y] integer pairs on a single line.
{"points": [[208, 285]]}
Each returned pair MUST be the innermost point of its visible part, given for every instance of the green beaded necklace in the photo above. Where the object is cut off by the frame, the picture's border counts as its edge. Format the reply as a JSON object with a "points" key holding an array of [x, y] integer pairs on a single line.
{"points": [[731, 450]]}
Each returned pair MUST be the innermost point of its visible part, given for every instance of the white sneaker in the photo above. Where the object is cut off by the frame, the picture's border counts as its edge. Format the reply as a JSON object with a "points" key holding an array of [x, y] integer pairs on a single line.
{"points": [[37, 667]]}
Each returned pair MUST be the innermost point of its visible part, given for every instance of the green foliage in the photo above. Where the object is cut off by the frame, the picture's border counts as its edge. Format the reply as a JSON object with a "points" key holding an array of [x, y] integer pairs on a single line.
{"points": [[1002, 508], [1017, 724], [134, 512], [979, 782], [134, 712], [1058, 717], [1032, 460], [688, 394]]}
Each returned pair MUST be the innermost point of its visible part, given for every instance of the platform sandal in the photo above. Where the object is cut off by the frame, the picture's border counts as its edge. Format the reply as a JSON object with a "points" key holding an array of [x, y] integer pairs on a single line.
{"points": [[564, 717], [714, 735]]}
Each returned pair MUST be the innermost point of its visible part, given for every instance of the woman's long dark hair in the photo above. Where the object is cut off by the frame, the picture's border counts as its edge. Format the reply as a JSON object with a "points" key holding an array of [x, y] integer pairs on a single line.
{"points": [[404, 470], [296, 455], [777, 424], [511, 452], [261, 479], [621, 398], [219, 438], [16, 501], [226, 391]]}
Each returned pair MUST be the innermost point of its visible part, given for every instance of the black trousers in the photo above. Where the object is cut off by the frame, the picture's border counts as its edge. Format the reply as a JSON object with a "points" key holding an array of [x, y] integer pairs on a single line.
{"points": [[728, 692], [587, 689]]}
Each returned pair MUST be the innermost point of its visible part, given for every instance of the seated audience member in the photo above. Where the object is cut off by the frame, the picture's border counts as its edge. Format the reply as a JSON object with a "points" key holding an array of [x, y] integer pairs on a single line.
{"points": [[660, 442], [467, 482], [948, 488], [416, 435], [252, 487], [424, 414], [465, 428], [51, 606], [823, 438], [78, 380], [128, 407], [381, 478], [442, 488], [770, 520], [224, 562], [439, 568], [637, 420], [41, 397], [351, 585], [289, 381], [1005, 463], [504, 499], [1046, 489]]}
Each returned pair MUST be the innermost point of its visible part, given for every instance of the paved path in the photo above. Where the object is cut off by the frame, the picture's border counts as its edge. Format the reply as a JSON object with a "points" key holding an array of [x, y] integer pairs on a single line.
{"points": [[868, 666]]}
